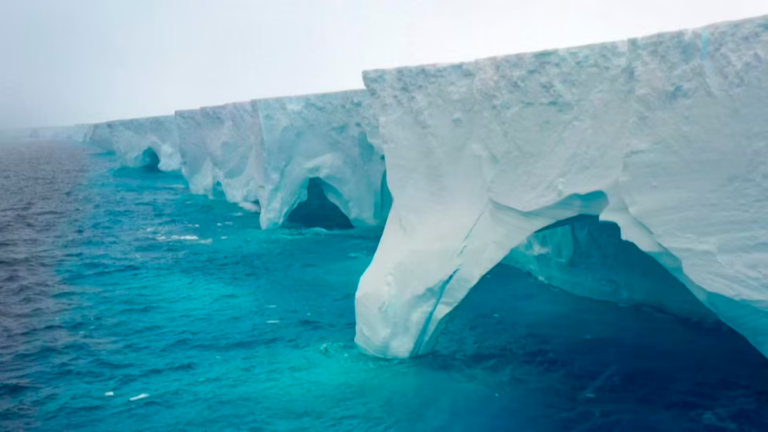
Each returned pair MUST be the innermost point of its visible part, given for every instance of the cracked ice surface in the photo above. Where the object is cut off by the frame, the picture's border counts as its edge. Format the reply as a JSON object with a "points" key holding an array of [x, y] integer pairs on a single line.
{"points": [[664, 135], [326, 136], [264, 152], [223, 144]]}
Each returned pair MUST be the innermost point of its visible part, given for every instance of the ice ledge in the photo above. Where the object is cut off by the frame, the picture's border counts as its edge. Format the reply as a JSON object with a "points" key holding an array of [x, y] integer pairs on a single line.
{"points": [[664, 135]]}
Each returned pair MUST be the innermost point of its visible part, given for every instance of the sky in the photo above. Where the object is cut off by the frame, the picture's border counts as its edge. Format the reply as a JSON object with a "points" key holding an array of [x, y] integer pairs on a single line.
{"points": [[85, 61]]}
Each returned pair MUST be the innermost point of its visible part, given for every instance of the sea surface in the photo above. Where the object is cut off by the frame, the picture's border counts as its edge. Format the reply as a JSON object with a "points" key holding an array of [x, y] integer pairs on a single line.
{"points": [[129, 304]]}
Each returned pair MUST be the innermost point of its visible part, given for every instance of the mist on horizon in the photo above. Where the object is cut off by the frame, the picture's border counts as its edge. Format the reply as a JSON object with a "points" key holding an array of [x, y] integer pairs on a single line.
{"points": [[88, 61]]}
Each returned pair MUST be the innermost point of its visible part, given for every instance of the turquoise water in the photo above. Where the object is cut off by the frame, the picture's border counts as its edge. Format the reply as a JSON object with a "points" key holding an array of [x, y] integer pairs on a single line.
{"points": [[118, 283]]}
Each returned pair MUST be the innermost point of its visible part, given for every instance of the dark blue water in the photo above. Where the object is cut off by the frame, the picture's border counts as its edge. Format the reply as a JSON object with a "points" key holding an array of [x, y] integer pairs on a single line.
{"points": [[116, 283]]}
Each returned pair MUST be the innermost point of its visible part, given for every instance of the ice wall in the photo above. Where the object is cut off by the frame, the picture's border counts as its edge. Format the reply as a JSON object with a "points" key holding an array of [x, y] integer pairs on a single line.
{"points": [[665, 135], [140, 142], [264, 152], [77, 133]]}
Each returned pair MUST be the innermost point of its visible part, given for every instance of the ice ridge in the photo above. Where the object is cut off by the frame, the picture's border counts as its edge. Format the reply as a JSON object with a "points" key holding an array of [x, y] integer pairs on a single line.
{"points": [[263, 153]]}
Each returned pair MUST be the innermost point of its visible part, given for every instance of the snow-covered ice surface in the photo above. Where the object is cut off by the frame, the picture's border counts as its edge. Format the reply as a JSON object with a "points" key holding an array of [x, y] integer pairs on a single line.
{"points": [[140, 142], [99, 136], [263, 153], [324, 136], [587, 257], [666, 136]]}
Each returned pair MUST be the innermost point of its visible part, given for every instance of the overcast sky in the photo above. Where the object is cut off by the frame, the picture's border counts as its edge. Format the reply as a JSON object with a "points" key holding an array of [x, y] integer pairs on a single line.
{"points": [[73, 61]]}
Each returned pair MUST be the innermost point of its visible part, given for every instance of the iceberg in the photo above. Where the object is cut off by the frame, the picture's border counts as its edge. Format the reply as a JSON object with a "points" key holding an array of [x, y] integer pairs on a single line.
{"points": [[664, 136], [223, 145], [77, 133], [264, 153], [328, 137], [140, 142], [100, 136]]}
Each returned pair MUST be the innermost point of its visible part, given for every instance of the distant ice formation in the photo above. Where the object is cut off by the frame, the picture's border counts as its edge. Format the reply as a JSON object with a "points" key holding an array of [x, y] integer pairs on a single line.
{"points": [[140, 142], [77, 133], [327, 137], [263, 153], [666, 136]]}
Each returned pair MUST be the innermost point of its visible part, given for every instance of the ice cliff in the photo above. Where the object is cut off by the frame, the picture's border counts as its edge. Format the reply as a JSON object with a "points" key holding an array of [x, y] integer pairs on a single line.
{"points": [[264, 152], [223, 145], [666, 136], [140, 142], [631, 171]]}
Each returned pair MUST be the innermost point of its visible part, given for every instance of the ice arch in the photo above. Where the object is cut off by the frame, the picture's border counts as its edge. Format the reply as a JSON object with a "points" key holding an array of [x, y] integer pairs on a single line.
{"points": [[131, 140], [223, 144], [76, 134], [666, 136], [264, 153], [315, 209]]}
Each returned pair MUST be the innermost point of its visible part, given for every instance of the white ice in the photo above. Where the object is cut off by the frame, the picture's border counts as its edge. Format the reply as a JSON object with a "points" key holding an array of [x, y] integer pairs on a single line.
{"points": [[667, 136], [138, 141], [264, 152]]}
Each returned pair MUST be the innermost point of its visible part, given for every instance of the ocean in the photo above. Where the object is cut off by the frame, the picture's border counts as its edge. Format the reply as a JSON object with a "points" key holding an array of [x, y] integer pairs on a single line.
{"points": [[129, 304]]}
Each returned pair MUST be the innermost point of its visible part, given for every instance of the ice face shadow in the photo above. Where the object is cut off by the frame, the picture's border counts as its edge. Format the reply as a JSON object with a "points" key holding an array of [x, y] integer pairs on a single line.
{"points": [[597, 365]]}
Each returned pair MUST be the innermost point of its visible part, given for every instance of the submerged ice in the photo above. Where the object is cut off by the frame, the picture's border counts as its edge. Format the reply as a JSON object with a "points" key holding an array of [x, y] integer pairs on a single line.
{"points": [[77, 133], [666, 136]]}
